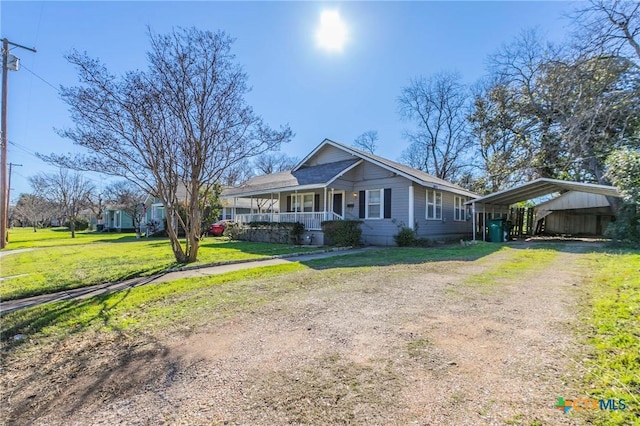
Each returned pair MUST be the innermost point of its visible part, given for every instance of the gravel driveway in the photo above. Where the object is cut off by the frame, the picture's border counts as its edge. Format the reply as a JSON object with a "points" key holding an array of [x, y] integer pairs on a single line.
{"points": [[404, 344]]}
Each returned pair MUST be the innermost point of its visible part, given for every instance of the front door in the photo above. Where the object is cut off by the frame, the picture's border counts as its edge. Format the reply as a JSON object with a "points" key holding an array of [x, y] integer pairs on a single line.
{"points": [[337, 203]]}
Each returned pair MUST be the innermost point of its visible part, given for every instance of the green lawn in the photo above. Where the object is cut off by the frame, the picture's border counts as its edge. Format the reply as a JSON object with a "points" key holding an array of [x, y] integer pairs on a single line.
{"points": [[58, 262], [612, 321], [408, 255], [522, 261], [609, 323], [20, 238], [187, 302]]}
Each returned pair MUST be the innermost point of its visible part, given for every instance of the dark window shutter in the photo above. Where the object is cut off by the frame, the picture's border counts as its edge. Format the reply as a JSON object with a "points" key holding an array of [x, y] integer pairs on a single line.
{"points": [[288, 203], [316, 203], [387, 203], [361, 205]]}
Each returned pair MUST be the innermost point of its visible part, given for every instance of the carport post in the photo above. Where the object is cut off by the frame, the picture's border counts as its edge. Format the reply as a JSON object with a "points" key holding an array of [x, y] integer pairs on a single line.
{"points": [[484, 222]]}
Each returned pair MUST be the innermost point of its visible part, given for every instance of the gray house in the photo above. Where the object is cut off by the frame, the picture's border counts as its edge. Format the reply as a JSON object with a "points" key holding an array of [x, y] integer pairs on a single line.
{"points": [[339, 182]]}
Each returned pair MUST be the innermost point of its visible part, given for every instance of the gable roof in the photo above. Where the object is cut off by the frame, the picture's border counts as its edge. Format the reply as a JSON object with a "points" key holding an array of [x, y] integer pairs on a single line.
{"points": [[305, 178], [543, 186], [415, 175]]}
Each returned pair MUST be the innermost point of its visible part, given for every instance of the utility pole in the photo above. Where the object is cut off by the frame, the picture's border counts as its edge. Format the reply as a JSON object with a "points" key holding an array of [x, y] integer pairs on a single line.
{"points": [[8, 62], [9, 185]]}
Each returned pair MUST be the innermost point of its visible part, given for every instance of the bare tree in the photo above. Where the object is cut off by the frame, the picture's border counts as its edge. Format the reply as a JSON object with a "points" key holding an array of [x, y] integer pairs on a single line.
{"points": [[610, 27], [274, 162], [553, 113], [182, 123], [367, 141], [130, 199], [237, 174], [34, 210], [438, 106], [70, 191]]}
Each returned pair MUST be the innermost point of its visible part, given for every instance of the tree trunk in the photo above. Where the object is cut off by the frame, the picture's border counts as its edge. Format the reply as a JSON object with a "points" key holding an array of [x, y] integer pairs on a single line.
{"points": [[72, 226], [176, 247]]}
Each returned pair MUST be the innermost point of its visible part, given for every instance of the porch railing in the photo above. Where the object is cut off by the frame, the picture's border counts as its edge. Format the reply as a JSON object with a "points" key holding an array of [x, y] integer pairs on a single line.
{"points": [[311, 221]]}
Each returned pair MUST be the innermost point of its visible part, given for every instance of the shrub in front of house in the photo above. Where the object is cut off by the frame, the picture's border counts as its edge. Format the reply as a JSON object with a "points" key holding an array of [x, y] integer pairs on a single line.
{"points": [[342, 233], [406, 237], [266, 232]]}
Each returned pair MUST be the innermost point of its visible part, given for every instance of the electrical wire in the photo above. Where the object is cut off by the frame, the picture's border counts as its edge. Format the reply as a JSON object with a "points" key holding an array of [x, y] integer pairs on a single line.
{"points": [[41, 78]]}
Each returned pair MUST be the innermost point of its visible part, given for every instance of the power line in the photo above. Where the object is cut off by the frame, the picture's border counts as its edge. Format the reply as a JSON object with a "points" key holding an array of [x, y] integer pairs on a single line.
{"points": [[24, 149], [41, 78]]}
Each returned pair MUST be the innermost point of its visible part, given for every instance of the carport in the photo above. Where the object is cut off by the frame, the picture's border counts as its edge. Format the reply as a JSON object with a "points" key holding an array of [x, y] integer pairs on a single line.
{"points": [[499, 203]]}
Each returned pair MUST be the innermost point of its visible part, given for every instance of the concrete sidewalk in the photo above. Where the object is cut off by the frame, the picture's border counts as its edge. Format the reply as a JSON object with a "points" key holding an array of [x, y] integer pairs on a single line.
{"points": [[95, 290]]}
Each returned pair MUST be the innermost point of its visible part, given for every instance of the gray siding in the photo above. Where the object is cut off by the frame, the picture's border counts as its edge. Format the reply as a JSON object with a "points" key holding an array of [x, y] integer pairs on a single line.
{"points": [[439, 229], [368, 176], [328, 154]]}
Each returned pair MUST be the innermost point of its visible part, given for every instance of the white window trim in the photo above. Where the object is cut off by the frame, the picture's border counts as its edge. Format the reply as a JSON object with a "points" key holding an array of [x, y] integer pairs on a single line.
{"points": [[427, 204], [301, 205], [458, 206], [366, 204]]}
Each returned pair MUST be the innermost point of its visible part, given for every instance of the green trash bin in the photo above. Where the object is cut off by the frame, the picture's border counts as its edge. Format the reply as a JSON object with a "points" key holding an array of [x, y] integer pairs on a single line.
{"points": [[496, 230]]}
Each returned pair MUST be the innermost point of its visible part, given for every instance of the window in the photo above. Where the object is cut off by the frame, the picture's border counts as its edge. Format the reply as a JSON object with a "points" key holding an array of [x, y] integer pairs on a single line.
{"points": [[434, 204], [459, 209], [300, 203], [307, 203], [374, 204]]}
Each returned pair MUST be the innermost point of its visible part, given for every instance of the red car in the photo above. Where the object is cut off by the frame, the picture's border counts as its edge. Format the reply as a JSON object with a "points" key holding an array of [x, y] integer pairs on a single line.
{"points": [[217, 229]]}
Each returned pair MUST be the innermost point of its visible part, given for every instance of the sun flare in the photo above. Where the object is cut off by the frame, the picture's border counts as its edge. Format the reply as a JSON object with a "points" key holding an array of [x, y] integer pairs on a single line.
{"points": [[332, 32]]}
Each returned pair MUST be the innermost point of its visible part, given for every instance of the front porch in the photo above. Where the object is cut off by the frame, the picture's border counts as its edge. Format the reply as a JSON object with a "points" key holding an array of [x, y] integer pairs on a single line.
{"points": [[310, 220]]}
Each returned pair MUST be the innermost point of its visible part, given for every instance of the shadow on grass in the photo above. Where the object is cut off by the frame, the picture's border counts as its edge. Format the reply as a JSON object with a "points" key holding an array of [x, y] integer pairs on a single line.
{"points": [[87, 287], [255, 248], [95, 367], [570, 246], [405, 256]]}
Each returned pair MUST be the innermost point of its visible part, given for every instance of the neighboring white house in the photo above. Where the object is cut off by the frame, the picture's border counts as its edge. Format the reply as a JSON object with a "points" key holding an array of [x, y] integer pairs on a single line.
{"points": [[337, 182]]}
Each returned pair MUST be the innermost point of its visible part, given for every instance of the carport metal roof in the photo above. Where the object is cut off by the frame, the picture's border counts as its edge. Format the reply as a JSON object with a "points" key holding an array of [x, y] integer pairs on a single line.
{"points": [[540, 187]]}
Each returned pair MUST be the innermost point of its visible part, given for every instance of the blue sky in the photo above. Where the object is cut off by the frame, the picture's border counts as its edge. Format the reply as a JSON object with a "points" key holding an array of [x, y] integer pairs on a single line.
{"points": [[320, 94]]}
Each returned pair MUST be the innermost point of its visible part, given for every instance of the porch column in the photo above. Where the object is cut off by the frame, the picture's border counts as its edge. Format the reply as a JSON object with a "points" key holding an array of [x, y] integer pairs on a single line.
{"points": [[332, 207], [411, 212], [271, 203], [279, 205], [473, 212], [325, 204], [295, 206]]}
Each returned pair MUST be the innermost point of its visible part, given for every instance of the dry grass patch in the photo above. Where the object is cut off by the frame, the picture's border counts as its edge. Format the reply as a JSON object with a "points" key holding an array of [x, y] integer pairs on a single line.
{"points": [[331, 390]]}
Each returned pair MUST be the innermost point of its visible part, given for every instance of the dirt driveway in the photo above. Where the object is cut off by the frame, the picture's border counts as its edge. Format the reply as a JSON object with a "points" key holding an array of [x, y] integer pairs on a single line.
{"points": [[405, 344]]}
